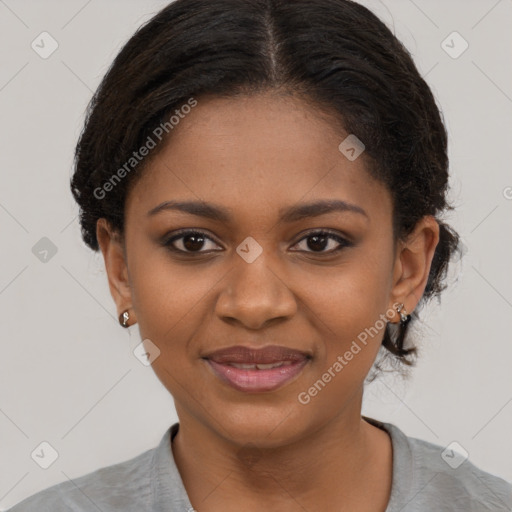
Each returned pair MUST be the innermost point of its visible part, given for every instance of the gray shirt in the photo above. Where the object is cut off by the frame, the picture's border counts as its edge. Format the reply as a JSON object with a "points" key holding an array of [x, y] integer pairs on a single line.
{"points": [[424, 479]]}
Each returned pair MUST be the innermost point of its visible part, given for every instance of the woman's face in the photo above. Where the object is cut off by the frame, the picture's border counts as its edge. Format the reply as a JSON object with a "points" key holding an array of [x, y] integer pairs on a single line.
{"points": [[259, 277]]}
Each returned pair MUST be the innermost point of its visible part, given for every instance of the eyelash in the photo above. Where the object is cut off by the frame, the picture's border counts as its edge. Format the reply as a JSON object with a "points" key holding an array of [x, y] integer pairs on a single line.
{"points": [[322, 233]]}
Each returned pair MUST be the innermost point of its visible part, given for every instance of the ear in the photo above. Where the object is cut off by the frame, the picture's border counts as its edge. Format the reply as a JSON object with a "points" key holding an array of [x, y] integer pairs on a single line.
{"points": [[412, 263], [113, 251]]}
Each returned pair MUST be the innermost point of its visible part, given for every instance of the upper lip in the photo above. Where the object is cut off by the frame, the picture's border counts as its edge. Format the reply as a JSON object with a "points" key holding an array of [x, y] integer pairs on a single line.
{"points": [[269, 354]]}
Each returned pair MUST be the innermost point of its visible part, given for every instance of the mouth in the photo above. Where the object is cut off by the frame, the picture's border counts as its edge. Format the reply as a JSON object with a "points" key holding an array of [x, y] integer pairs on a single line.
{"points": [[257, 370]]}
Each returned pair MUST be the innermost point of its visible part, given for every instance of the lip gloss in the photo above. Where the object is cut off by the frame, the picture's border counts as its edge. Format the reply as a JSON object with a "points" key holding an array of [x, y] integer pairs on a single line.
{"points": [[255, 380]]}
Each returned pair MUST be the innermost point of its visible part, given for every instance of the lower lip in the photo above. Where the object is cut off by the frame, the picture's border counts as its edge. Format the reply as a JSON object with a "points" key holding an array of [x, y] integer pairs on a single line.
{"points": [[257, 380]]}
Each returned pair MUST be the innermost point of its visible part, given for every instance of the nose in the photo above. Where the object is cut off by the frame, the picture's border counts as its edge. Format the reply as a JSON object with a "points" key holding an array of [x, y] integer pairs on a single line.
{"points": [[255, 295]]}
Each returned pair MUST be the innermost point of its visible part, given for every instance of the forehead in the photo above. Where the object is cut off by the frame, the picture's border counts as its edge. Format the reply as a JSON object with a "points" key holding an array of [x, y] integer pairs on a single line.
{"points": [[256, 153]]}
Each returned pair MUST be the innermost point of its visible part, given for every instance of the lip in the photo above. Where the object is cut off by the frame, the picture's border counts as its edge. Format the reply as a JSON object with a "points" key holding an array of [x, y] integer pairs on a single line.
{"points": [[244, 355], [257, 380]]}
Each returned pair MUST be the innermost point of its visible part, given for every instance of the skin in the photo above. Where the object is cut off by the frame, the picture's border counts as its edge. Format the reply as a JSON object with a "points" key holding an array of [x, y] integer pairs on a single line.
{"points": [[254, 156]]}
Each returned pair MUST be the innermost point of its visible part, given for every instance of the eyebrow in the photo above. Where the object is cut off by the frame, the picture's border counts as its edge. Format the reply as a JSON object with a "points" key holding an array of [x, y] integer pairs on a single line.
{"points": [[288, 214]]}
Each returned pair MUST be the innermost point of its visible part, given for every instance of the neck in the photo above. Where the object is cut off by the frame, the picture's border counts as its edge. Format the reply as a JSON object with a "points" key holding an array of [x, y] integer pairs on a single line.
{"points": [[346, 462]]}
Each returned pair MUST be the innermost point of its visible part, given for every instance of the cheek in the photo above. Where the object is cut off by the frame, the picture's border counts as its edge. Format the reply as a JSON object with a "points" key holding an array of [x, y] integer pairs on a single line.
{"points": [[168, 297], [169, 300], [354, 293], [350, 317], [349, 308]]}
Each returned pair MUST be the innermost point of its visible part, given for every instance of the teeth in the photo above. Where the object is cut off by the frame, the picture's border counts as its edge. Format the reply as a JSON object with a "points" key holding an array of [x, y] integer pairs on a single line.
{"points": [[260, 366], [269, 365]]}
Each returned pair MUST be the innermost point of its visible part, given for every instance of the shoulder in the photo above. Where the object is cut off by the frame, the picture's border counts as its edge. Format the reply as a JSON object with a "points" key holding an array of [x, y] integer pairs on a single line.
{"points": [[122, 486], [451, 473], [440, 478]]}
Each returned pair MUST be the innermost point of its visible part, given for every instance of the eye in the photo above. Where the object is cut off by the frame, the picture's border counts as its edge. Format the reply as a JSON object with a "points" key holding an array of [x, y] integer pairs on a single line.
{"points": [[188, 241], [192, 241], [319, 240]]}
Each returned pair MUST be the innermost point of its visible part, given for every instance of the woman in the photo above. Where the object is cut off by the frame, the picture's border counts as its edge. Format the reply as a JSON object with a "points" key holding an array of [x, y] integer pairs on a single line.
{"points": [[265, 181]]}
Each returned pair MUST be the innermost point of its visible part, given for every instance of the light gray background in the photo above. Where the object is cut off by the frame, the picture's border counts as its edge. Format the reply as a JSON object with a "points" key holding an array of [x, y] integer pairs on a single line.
{"points": [[68, 375]]}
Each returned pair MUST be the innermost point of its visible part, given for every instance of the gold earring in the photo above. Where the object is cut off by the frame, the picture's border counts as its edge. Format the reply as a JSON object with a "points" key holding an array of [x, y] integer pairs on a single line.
{"points": [[123, 318]]}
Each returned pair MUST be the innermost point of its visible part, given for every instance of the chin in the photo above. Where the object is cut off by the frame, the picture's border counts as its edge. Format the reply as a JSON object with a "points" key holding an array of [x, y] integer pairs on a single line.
{"points": [[263, 426]]}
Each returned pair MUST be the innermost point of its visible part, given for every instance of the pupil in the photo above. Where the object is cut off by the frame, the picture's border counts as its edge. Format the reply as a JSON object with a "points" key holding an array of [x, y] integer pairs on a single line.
{"points": [[316, 244], [197, 242]]}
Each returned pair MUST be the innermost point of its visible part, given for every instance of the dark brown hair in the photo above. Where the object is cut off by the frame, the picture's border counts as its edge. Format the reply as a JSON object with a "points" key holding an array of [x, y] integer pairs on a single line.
{"points": [[334, 53]]}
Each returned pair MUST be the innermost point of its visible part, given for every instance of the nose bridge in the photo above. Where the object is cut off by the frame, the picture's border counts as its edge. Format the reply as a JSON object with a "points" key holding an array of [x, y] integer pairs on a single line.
{"points": [[254, 292]]}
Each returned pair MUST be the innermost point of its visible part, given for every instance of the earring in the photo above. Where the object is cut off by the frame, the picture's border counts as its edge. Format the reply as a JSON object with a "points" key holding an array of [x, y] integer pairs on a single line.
{"points": [[404, 316], [123, 318]]}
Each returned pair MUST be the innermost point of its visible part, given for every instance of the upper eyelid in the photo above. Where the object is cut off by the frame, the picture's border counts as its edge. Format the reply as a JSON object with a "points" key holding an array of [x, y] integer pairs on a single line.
{"points": [[327, 232], [181, 233]]}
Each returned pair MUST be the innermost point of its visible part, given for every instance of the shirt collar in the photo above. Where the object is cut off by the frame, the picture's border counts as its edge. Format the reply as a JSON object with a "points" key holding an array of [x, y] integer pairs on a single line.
{"points": [[167, 489], [169, 494], [403, 467]]}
